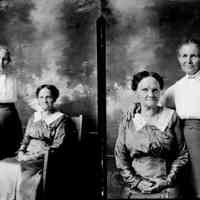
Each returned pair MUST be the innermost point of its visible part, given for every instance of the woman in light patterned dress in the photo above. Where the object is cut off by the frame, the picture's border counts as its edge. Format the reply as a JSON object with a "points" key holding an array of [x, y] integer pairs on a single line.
{"points": [[150, 150], [46, 130]]}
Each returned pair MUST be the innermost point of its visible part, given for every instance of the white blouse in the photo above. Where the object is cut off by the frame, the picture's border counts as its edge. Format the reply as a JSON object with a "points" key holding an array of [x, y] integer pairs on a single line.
{"points": [[184, 96], [8, 89]]}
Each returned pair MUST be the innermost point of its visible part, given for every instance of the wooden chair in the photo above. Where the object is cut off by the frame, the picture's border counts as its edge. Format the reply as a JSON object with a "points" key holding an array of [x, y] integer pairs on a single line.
{"points": [[78, 122]]}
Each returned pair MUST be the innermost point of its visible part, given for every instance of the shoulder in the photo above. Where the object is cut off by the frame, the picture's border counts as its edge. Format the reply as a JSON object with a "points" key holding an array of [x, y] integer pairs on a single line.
{"points": [[66, 119], [59, 117], [170, 89], [129, 113], [172, 115], [176, 84], [169, 112], [180, 82], [167, 118]]}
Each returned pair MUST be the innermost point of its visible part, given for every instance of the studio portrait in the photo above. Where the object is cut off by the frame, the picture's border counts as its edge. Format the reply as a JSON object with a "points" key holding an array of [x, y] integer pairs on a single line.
{"points": [[48, 99], [152, 96]]}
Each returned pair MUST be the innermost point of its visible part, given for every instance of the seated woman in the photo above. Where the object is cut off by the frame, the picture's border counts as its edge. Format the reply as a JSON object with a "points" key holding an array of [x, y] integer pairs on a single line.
{"points": [[20, 176], [150, 150]]}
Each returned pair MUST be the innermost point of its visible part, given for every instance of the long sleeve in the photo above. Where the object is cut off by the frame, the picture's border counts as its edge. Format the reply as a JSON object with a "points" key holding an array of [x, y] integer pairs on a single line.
{"points": [[123, 161], [60, 134], [181, 152]]}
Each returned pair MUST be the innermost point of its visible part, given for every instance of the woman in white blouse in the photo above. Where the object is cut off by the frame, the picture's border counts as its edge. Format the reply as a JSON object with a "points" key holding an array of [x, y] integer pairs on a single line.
{"points": [[184, 96], [10, 124]]}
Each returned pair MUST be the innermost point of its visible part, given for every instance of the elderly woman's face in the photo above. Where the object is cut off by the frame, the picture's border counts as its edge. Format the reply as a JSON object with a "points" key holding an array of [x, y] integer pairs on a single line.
{"points": [[45, 99], [3, 61], [189, 58], [148, 92]]}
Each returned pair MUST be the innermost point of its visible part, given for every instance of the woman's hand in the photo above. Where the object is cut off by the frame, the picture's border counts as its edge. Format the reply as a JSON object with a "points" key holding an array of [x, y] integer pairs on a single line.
{"points": [[20, 156], [145, 185], [25, 157], [157, 186]]}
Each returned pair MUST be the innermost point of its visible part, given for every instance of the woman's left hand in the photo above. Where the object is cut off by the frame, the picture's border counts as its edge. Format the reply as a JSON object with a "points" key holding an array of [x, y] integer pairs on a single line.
{"points": [[158, 186]]}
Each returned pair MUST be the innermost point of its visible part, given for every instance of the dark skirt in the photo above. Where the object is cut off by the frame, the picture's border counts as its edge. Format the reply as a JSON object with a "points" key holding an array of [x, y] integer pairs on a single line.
{"points": [[192, 137], [10, 130]]}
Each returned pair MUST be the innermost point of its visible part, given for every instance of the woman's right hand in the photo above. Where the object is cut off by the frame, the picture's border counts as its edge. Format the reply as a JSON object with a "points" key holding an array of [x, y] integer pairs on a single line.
{"points": [[20, 156], [145, 185], [26, 157]]}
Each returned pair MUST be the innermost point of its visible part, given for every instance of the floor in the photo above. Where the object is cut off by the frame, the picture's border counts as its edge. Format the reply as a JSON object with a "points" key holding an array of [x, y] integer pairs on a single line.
{"points": [[114, 182]]}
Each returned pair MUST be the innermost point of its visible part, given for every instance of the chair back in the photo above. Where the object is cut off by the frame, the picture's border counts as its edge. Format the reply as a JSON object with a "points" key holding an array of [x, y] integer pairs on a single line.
{"points": [[78, 121]]}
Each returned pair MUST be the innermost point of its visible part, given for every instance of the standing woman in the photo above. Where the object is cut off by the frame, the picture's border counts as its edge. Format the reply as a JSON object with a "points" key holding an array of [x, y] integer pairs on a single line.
{"points": [[184, 96], [10, 124]]}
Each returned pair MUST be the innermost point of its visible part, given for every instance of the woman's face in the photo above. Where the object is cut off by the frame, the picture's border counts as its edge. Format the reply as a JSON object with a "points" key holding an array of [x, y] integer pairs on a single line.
{"points": [[148, 92], [3, 61], [189, 58], [45, 99]]}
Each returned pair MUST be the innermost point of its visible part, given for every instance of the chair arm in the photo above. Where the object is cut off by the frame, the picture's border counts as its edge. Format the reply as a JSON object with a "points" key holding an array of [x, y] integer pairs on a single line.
{"points": [[45, 166]]}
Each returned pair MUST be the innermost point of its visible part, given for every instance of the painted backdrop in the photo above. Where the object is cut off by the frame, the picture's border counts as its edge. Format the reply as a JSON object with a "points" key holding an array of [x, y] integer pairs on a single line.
{"points": [[53, 42], [142, 34]]}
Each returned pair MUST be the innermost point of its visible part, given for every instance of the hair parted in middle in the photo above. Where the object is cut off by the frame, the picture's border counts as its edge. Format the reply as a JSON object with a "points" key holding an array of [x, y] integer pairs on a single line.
{"points": [[52, 88], [143, 74]]}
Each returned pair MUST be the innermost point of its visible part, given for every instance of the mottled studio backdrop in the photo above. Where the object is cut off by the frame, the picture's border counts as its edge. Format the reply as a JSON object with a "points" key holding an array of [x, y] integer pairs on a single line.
{"points": [[53, 41], [143, 34]]}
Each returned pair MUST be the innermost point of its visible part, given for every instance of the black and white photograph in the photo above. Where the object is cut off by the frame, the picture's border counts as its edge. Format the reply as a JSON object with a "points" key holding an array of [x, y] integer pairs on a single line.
{"points": [[152, 99], [99, 99], [48, 99]]}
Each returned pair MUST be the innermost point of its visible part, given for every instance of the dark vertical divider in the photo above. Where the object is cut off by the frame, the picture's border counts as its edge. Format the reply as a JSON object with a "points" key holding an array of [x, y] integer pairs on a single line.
{"points": [[101, 82]]}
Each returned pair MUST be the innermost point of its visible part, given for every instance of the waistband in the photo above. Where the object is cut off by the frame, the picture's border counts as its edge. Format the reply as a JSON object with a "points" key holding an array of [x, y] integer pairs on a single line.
{"points": [[191, 121]]}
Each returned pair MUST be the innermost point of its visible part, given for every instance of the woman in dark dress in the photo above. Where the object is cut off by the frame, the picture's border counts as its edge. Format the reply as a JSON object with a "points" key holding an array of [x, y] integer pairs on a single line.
{"points": [[150, 150], [10, 124]]}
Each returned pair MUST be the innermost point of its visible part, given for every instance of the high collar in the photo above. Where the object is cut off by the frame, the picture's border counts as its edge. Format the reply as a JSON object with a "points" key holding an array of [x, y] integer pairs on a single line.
{"points": [[161, 123], [193, 76]]}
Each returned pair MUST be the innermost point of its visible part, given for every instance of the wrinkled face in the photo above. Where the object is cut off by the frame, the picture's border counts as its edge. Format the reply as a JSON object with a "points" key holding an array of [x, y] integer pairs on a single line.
{"points": [[45, 99], [148, 92], [189, 58]]}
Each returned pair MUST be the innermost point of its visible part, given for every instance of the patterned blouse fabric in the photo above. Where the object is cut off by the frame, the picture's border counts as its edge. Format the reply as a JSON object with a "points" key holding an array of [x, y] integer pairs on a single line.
{"points": [[150, 150], [41, 135], [21, 179]]}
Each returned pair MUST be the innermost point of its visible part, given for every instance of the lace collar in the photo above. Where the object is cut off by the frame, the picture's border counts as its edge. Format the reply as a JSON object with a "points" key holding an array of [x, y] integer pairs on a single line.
{"points": [[194, 76], [51, 118], [162, 121]]}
